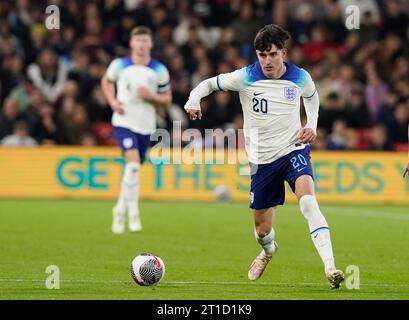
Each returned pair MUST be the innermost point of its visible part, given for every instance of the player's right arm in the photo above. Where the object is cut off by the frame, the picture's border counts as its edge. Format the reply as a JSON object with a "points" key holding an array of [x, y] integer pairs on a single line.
{"points": [[232, 81], [108, 86], [109, 90], [202, 90]]}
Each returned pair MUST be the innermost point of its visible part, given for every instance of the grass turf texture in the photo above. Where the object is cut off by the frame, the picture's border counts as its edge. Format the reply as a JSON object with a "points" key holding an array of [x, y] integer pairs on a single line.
{"points": [[206, 247]]}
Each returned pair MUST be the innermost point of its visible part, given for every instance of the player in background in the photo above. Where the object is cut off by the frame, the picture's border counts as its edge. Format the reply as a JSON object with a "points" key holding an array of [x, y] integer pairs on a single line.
{"points": [[407, 165], [276, 144], [142, 85]]}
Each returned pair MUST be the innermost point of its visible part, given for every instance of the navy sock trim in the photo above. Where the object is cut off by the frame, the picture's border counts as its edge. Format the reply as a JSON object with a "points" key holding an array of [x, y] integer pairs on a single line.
{"points": [[319, 229]]}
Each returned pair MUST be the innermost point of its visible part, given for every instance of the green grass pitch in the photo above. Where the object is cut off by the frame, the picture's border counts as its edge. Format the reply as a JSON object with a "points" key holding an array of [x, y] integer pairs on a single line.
{"points": [[206, 247]]}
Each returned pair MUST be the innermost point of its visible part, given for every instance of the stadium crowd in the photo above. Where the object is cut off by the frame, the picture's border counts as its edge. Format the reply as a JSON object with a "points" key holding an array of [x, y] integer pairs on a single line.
{"points": [[50, 79]]}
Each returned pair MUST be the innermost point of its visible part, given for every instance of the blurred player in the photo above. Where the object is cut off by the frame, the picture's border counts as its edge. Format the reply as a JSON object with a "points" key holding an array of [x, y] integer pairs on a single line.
{"points": [[276, 144], [142, 84], [407, 165]]}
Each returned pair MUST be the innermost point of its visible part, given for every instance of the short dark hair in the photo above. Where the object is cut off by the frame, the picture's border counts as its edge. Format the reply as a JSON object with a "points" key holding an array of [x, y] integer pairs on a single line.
{"points": [[269, 35], [141, 30]]}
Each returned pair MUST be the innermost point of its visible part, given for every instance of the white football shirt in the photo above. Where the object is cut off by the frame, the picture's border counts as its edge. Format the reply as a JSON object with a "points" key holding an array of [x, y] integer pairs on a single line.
{"points": [[271, 109], [139, 115]]}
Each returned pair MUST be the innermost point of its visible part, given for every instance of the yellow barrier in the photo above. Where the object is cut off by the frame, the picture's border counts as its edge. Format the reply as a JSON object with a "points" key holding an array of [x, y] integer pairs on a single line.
{"points": [[75, 172]]}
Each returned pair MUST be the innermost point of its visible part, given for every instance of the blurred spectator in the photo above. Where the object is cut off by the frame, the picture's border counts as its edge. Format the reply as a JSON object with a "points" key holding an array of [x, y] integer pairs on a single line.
{"points": [[73, 121], [12, 75], [375, 92], [386, 111], [98, 108], [398, 125], [32, 113], [190, 29], [222, 109], [45, 129], [379, 139], [303, 20], [332, 111], [204, 71], [245, 26], [8, 117], [179, 77], [388, 51], [402, 69], [88, 139], [356, 113], [347, 82], [351, 139], [395, 19], [20, 136], [66, 43], [37, 41], [48, 74], [336, 140], [368, 31], [21, 94], [314, 50]]}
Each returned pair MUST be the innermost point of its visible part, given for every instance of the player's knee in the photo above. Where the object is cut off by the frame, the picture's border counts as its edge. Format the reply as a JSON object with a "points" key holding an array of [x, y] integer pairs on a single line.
{"points": [[311, 211], [308, 205], [131, 170], [264, 236], [262, 230]]}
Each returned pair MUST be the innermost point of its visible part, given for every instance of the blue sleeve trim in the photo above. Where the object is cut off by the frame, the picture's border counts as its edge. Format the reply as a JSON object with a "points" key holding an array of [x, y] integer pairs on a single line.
{"points": [[164, 89], [311, 95], [218, 84], [163, 85]]}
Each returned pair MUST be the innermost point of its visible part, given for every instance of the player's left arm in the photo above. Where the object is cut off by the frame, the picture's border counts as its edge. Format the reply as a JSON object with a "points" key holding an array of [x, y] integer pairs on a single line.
{"points": [[311, 104], [163, 99]]}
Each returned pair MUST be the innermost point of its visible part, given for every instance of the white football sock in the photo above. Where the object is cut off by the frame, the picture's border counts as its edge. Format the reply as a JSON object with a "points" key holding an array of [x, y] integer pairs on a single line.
{"points": [[130, 187], [267, 242], [319, 230], [121, 203]]}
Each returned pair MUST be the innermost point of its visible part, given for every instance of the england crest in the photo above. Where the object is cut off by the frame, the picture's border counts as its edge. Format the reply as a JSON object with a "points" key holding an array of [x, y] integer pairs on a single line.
{"points": [[290, 93]]}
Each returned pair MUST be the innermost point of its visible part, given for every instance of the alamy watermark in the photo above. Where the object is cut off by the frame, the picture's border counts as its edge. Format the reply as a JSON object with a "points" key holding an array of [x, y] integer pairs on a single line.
{"points": [[352, 279], [53, 280], [53, 19], [352, 17], [191, 146]]}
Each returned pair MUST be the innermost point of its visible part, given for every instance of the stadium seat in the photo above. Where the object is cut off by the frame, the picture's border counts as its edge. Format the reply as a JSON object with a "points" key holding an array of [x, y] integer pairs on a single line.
{"points": [[364, 138], [403, 146], [105, 133]]}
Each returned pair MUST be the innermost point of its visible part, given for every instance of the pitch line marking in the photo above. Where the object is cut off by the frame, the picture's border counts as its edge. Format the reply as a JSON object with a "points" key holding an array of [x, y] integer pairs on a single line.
{"points": [[208, 282]]}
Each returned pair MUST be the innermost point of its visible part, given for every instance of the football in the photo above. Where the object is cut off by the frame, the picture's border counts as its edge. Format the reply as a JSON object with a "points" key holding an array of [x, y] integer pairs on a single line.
{"points": [[147, 269], [222, 193]]}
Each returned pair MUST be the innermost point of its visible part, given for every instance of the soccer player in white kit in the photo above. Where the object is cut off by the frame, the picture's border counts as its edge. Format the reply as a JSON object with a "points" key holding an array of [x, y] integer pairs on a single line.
{"points": [[142, 85], [276, 144]]}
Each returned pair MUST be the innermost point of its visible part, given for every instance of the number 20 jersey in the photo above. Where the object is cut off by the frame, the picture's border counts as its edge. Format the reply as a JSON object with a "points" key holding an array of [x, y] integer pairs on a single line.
{"points": [[271, 109]]}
